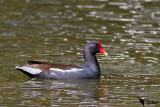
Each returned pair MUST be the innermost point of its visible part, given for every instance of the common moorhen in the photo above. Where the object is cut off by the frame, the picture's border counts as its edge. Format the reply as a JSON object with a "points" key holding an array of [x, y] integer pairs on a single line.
{"points": [[90, 69]]}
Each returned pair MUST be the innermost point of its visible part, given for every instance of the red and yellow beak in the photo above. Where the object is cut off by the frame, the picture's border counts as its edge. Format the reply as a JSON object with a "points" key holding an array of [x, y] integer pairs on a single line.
{"points": [[102, 50]]}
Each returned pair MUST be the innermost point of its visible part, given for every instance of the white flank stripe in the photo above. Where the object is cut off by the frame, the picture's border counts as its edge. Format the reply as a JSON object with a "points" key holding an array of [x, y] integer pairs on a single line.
{"points": [[61, 70], [56, 69], [30, 70]]}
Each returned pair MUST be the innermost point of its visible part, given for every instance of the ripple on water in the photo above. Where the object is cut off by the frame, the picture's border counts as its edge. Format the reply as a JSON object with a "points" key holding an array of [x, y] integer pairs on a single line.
{"points": [[56, 31]]}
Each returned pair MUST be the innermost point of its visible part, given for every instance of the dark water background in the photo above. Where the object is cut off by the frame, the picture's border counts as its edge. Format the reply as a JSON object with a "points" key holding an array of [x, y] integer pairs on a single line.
{"points": [[57, 30]]}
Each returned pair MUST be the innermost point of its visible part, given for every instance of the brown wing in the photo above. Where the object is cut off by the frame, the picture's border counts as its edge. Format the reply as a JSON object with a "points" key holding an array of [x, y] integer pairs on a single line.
{"points": [[45, 66]]}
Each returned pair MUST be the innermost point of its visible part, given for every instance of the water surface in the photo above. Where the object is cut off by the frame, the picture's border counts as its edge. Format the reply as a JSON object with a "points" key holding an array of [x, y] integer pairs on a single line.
{"points": [[57, 30]]}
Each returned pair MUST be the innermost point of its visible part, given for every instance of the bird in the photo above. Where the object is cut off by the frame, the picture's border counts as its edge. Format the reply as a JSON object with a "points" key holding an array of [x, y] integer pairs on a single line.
{"points": [[141, 101], [89, 70]]}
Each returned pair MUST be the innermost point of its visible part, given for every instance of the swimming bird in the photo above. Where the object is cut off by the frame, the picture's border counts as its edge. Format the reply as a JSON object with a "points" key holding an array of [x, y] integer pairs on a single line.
{"points": [[89, 70]]}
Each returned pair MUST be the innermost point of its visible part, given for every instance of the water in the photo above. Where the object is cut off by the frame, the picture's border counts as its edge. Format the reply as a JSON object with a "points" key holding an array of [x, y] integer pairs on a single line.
{"points": [[57, 30]]}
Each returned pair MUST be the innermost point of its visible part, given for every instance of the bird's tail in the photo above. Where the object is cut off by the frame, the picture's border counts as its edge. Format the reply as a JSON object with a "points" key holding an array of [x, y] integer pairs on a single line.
{"points": [[29, 71]]}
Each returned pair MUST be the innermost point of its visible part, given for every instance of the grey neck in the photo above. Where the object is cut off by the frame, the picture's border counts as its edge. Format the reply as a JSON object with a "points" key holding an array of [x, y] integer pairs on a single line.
{"points": [[91, 61]]}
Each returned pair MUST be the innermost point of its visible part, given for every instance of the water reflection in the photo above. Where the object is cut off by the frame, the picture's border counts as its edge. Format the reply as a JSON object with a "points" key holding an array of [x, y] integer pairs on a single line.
{"points": [[60, 92]]}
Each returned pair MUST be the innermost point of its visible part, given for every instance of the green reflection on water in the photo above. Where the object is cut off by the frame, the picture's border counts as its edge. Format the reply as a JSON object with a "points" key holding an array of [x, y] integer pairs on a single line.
{"points": [[56, 31]]}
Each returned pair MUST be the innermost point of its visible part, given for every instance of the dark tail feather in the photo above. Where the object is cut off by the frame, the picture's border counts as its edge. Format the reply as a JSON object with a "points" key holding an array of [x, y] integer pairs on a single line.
{"points": [[35, 62]]}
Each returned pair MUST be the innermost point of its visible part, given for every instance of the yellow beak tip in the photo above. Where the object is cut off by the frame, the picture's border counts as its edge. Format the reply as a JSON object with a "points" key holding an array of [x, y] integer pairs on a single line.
{"points": [[106, 54]]}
